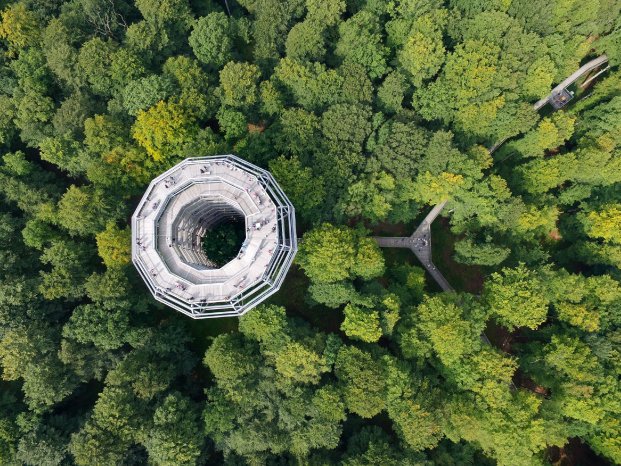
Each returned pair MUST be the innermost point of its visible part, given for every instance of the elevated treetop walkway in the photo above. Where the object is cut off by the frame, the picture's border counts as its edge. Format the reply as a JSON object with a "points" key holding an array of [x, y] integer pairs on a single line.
{"points": [[559, 96], [419, 243]]}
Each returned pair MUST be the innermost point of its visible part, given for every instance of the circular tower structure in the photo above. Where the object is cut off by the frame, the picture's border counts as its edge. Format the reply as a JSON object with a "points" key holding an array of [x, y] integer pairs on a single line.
{"points": [[175, 217]]}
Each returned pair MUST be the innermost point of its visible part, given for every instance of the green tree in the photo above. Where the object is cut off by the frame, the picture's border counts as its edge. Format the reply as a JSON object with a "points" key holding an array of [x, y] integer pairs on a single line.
{"points": [[333, 294], [400, 147], [305, 41], [357, 87], [311, 85], [501, 433], [369, 261], [581, 385], [332, 254], [142, 93], [296, 362], [423, 52], [42, 443], [360, 376], [360, 42], [518, 288], [61, 52], [371, 445], [94, 61], [115, 424], [68, 261], [297, 132], [104, 325], [327, 253], [466, 91], [176, 437], [194, 96], [239, 84], [164, 130], [440, 326], [411, 405], [268, 383], [305, 190], [158, 358], [95, 208], [371, 199], [391, 93], [361, 324], [325, 12], [550, 133], [70, 116], [487, 253], [211, 40], [272, 20], [347, 126], [29, 353], [169, 21]]}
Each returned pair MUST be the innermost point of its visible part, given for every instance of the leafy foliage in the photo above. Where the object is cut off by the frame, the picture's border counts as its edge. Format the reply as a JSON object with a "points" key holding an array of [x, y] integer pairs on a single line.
{"points": [[367, 112]]}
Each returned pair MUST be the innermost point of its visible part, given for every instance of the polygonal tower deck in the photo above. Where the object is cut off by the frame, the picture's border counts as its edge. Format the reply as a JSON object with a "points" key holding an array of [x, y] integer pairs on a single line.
{"points": [[194, 196]]}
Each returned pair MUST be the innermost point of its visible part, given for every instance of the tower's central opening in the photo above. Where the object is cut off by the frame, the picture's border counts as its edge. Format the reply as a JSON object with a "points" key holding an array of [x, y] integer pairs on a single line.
{"points": [[208, 232], [221, 242]]}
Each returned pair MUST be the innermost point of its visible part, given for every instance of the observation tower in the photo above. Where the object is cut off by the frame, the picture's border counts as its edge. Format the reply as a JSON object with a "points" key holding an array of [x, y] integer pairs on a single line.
{"points": [[175, 238]]}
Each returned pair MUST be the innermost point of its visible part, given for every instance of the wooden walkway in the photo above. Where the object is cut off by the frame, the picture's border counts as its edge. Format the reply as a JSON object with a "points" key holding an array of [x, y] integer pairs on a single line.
{"points": [[420, 244], [596, 62], [571, 79]]}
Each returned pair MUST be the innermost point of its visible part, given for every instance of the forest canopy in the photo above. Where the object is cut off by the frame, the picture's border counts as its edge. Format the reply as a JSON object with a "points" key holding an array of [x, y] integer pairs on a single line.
{"points": [[367, 112]]}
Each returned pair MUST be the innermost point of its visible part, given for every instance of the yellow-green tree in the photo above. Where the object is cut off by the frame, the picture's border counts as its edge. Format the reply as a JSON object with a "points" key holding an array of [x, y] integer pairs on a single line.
{"points": [[431, 189], [423, 52], [361, 324], [516, 289], [332, 254], [113, 245], [604, 223], [550, 133], [19, 27], [164, 130]]}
